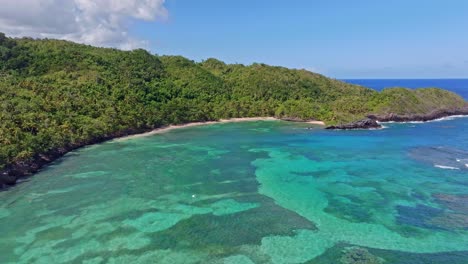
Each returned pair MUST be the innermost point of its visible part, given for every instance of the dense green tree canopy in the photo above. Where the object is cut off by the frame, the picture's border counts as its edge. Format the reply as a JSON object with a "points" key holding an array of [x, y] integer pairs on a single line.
{"points": [[55, 94]]}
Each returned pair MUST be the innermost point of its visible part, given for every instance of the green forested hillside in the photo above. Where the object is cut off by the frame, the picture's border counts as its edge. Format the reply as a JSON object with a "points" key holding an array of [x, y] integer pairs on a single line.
{"points": [[57, 94]]}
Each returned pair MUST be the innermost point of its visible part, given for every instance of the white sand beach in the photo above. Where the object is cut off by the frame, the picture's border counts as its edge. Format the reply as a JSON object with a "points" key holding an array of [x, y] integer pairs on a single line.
{"points": [[231, 120]]}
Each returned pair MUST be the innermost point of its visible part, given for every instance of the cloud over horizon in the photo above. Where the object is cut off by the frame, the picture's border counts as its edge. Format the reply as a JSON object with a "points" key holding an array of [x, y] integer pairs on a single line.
{"points": [[95, 22]]}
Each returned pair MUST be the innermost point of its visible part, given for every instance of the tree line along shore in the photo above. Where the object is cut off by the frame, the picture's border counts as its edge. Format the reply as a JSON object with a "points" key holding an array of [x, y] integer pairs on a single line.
{"points": [[56, 96]]}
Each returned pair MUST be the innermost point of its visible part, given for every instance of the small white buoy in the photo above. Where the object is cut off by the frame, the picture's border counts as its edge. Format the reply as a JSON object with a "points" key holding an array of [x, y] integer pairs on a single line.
{"points": [[193, 195]]}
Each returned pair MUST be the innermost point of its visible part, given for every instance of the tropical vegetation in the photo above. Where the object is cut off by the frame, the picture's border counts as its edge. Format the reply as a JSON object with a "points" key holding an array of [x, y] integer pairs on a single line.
{"points": [[56, 94]]}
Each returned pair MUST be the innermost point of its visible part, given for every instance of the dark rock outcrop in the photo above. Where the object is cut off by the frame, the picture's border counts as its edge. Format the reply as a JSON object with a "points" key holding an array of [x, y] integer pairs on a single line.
{"points": [[391, 117], [362, 124]]}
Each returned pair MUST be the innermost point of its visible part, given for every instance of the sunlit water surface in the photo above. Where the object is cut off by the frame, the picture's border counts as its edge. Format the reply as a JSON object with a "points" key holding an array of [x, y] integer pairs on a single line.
{"points": [[254, 192]]}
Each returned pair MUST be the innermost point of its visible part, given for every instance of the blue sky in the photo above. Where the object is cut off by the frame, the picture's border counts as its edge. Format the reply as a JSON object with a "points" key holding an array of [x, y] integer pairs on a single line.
{"points": [[341, 39]]}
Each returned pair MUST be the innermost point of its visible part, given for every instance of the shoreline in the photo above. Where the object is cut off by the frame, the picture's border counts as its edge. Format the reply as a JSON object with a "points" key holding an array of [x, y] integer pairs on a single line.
{"points": [[162, 130], [446, 118], [434, 115], [10, 175], [374, 121], [13, 172]]}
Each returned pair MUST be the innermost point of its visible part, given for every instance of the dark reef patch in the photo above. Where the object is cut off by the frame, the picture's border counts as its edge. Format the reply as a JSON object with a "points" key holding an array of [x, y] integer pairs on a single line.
{"points": [[458, 203], [442, 156], [336, 253], [227, 231], [358, 255], [353, 210], [419, 216], [457, 217]]}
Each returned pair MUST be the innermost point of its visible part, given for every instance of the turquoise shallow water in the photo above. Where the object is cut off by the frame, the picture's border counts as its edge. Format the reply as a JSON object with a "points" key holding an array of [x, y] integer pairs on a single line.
{"points": [[255, 192]]}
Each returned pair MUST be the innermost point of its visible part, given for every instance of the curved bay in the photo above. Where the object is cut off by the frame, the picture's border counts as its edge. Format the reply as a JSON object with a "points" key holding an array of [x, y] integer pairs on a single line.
{"points": [[261, 192]]}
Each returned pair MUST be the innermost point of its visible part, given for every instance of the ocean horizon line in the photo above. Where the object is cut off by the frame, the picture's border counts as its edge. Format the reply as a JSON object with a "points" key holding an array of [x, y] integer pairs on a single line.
{"points": [[461, 78]]}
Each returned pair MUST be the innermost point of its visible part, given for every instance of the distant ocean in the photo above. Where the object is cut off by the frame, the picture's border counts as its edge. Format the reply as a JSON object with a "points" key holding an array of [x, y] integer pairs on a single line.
{"points": [[459, 86]]}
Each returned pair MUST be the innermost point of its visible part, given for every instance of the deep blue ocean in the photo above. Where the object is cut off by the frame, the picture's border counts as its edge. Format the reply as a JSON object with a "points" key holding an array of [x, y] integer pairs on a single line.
{"points": [[459, 86]]}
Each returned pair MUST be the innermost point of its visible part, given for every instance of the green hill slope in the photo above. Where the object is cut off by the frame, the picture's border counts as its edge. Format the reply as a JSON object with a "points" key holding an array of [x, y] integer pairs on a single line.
{"points": [[58, 95]]}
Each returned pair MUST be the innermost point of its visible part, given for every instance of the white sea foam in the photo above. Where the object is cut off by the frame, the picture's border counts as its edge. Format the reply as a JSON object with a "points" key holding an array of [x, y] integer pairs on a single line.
{"points": [[446, 167], [407, 122], [415, 122], [463, 161], [375, 128], [447, 118]]}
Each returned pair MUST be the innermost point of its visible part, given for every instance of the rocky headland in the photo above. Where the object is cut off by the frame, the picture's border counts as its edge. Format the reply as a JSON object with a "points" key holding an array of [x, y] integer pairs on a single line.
{"points": [[373, 121], [437, 114]]}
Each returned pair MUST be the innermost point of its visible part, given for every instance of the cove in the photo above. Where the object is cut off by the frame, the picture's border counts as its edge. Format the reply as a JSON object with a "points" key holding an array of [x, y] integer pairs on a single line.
{"points": [[255, 192]]}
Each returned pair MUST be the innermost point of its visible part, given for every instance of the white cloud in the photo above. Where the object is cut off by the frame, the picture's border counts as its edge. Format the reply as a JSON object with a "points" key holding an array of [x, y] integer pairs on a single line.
{"points": [[96, 22]]}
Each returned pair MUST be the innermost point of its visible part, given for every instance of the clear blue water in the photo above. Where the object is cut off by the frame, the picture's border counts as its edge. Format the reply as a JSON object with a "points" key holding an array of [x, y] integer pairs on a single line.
{"points": [[253, 192], [459, 86]]}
